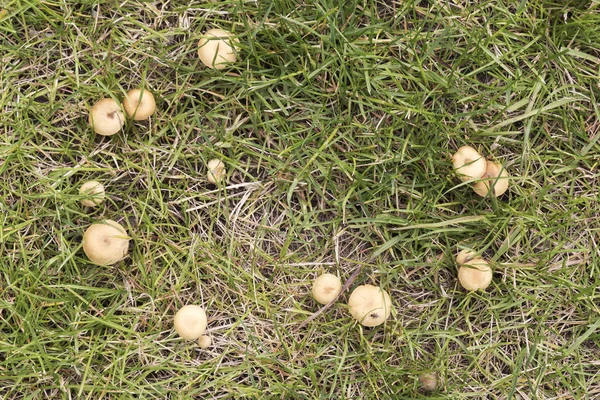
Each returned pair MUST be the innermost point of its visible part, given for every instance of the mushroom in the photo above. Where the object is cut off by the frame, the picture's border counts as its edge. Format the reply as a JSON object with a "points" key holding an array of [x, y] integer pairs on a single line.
{"points": [[428, 381], [106, 117], [216, 171], [370, 305], [106, 242], [94, 193], [216, 48], [464, 256], [190, 322], [475, 274], [468, 163], [495, 176], [326, 288], [139, 104], [204, 342]]}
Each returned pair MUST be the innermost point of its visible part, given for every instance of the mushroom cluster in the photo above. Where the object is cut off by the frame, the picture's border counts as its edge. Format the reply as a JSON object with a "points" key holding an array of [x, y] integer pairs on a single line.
{"points": [[474, 273], [470, 165], [106, 115]]}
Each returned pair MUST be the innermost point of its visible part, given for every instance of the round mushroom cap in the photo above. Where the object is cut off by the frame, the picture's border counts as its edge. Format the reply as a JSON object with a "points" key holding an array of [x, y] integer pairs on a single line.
{"points": [[216, 171], [428, 381], [106, 242], [139, 104], [106, 117], [475, 274], [190, 322], [495, 176], [326, 288], [204, 342], [94, 191], [468, 163], [216, 48], [370, 305]]}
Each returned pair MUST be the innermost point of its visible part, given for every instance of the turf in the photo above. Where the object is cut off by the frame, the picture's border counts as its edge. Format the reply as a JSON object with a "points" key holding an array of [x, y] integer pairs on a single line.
{"points": [[336, 127]]}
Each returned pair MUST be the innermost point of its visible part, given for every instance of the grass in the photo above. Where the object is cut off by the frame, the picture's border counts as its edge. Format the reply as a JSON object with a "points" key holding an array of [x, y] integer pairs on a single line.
{"points": [[336, 127]]}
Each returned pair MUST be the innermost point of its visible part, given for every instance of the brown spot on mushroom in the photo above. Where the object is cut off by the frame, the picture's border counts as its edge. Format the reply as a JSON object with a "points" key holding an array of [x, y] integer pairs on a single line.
{"points": [[374, 315]]}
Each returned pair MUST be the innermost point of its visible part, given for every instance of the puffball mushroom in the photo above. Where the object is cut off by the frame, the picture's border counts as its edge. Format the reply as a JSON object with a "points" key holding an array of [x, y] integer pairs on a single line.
{"points": [[475, 274], [370, 305], [216, 171], [428, 381], [94, 193], [139, 104], [106, 117], [204, 342], [105, 242], [216, 48], [190, 322], [326, 288], [495, 176], [468, 163]]}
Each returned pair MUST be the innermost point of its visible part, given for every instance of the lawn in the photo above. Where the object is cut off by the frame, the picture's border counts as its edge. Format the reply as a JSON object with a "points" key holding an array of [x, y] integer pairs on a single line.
{"points": [[336, 126]]}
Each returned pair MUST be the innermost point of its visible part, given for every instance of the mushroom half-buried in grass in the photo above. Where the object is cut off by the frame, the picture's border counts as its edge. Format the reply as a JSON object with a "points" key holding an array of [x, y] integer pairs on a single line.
{"points": [[94, 193], [139, 104], [106, 117], [475, 274], [216, 171], [106, 242], [326, 288], [495, 176], [217, 48], [468, 163], [370, 305], [190, 322]]}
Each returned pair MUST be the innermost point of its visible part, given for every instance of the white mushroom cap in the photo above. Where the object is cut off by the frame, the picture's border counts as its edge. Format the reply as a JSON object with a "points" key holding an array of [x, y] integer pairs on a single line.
{"points": [[139, 104], [370, 305], [496, 176], [94, 191], [190, 322], [106, 117], [468, 163], [106, 242], [216, 171], [475, 274], [326, 288], [216, 48]]}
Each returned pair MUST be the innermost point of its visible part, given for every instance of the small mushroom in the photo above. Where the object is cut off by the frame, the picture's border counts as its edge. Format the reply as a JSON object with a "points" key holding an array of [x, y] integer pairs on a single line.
{"points": [[106, 117], [139, 104], [216, 171], [94, 193], [105, 243], [190, 322], [475, 274], [495, 176], [326, 288], [468, 163], [216, 48], [370, 305], [428, 381], [204, 342]]}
